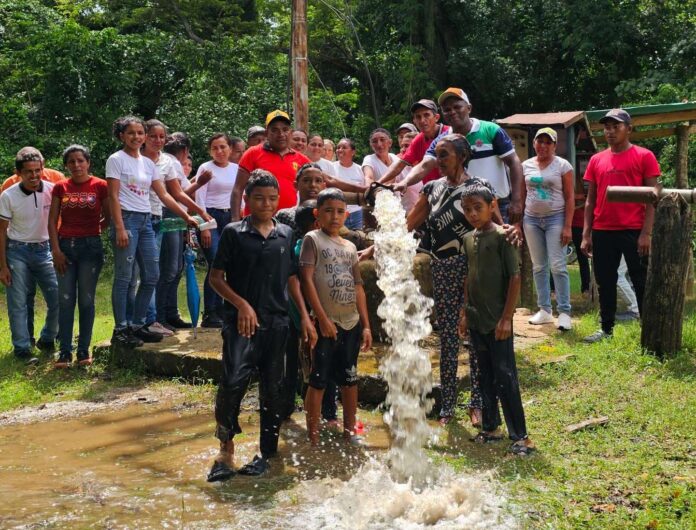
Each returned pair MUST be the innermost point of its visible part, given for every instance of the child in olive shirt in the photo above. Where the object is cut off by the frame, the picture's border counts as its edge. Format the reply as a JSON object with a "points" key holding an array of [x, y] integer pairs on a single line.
{"points": [[491, 288]]}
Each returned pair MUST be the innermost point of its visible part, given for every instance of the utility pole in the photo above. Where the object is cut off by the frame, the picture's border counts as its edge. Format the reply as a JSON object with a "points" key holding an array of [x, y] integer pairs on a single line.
{"points": [[298, 58]]}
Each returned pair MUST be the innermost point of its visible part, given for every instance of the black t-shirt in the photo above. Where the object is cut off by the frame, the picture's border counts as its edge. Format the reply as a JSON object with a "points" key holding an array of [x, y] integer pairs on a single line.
{"points": [[446, 222], [257, 269]]}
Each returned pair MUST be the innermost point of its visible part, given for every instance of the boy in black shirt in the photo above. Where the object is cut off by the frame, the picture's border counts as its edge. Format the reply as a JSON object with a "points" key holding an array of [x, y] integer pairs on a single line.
{"points": [[253, 272]]}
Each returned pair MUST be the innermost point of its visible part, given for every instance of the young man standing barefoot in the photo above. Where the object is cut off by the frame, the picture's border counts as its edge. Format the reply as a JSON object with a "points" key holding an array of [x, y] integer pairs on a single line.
{"points": [[253, 272]]}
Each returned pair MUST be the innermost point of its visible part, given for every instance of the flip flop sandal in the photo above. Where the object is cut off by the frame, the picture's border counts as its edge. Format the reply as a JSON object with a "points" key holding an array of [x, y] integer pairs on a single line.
{"points": [[257, 467], [521, 449], [219, 472], [484, 438]]}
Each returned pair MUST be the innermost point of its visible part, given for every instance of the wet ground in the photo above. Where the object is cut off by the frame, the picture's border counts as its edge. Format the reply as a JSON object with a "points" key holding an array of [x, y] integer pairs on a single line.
{"points": [[144, 466]]}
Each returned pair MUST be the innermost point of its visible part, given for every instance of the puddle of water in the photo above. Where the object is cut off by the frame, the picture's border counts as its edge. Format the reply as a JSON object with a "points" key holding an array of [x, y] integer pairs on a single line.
{"points": [[144, 467]]}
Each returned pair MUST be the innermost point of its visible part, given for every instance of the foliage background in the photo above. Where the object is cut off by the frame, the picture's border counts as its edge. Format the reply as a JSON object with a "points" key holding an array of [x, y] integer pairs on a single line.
{"points": [[69, 68]]}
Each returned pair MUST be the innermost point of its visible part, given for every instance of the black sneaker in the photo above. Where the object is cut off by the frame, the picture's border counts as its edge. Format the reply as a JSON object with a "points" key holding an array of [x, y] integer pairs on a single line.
{"points": [[177, 323], [167, 325], [146, 336], [210, 321], [25, 356], [124, 337], [83, 358], [64, 359], [46, 346]]}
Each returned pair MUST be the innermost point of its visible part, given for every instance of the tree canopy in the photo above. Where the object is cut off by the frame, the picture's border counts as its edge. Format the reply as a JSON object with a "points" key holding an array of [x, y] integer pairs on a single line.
{"points": [[68, 68]]}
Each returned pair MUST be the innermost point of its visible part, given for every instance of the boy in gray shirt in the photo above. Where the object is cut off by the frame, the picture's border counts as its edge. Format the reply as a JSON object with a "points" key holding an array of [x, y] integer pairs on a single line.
{"points": [[330, 278]]}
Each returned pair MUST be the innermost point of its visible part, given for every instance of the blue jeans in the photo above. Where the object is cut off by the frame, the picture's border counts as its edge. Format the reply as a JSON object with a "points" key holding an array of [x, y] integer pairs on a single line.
{"points": [[171, 268], [355, 221], [212, 301], [544, 241], [30, 264], [151, 315], [141, 249], [85, 256]]}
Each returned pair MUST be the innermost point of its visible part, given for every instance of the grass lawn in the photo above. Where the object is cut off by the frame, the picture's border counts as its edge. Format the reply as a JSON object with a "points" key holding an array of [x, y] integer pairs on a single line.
{"points": [[21, 385], [637, 471]]}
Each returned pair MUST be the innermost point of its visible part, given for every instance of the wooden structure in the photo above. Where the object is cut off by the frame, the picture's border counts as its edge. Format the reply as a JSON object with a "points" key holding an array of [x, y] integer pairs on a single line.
{"points": [[670, 252], [299, 62], [575, 144]]}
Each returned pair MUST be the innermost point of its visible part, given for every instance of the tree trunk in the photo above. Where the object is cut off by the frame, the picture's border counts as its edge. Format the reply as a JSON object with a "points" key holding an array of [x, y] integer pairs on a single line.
{"points": [[682, 181], [298, 53], [663, 302]]}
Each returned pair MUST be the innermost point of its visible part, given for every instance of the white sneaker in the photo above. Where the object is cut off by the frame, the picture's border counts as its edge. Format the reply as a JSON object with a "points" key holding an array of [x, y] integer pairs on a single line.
{"points": [[541, 317], [156, 327], [564, 323]]}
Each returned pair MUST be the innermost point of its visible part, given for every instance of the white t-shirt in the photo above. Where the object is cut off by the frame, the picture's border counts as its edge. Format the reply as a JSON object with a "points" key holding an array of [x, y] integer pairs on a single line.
{"points": [[545, 186], [136, 176], [27, 212], [217, 192], [352, 174], [167, 169], [326, 166], [410, 196]]}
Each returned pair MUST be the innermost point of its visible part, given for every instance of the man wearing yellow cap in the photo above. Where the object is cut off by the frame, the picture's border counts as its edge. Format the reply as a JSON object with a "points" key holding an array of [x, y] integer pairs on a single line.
{"points": [[494, 157], [274, 155]]}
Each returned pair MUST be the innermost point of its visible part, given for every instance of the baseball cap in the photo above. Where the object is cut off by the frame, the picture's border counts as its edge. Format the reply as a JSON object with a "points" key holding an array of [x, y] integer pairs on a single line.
{"points": [[277, 115], [453, 92], [551, 133], [425, 103], [616, 114], [408, 126], [254, 130]]}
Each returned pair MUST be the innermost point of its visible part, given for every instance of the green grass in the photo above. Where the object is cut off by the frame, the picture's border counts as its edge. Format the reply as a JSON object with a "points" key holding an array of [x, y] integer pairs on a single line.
{"points": [[638, 471], [30, 385]]}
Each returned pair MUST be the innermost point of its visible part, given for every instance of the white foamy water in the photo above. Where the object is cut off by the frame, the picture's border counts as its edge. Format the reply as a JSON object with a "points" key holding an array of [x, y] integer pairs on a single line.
{"points": [[407, 370], [372, 500]]}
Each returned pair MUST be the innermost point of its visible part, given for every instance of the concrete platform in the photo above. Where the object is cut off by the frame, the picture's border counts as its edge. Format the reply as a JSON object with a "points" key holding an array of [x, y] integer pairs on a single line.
{"points": [[198, 359]]}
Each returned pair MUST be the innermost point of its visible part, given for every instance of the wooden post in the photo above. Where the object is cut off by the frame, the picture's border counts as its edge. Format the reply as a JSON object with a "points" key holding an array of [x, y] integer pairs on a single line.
{"points": [[663, 301], [682, 181], [298, 54]]}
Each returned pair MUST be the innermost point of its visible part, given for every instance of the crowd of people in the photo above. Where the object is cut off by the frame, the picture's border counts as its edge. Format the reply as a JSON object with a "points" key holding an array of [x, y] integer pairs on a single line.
{"points": [[288, 231]]}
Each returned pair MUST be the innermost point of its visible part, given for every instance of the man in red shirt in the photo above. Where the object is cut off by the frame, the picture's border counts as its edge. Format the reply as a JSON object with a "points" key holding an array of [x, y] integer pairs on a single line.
{"points": [[613, 230], [274, 155], [427, 119]]}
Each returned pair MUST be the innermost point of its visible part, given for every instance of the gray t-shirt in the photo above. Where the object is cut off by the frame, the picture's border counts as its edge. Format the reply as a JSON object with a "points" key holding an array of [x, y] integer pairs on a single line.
{"points": [[336, 272], [545, 186]]}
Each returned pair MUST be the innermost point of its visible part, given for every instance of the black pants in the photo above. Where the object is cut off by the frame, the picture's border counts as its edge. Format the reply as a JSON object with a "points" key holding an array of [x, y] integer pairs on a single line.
{"points": [[498, 380], [241, 357], [607, 248], [583, 261], [291, 371]]}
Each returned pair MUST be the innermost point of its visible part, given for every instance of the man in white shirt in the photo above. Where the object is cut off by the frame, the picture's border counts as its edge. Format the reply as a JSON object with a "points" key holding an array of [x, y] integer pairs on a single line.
{"points": [[25, 255]]}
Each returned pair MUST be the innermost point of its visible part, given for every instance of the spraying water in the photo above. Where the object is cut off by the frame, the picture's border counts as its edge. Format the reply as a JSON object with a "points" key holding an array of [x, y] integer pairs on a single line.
{"points": [[405, 311]]}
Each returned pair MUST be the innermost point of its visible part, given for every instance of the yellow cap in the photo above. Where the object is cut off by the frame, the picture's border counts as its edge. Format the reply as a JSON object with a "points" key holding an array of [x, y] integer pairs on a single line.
{"points": [[548, 131], [277, 115]]}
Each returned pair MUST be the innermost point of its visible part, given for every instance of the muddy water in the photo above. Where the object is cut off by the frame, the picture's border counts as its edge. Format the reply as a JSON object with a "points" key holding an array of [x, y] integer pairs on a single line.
{"points": [[144, 467]]}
